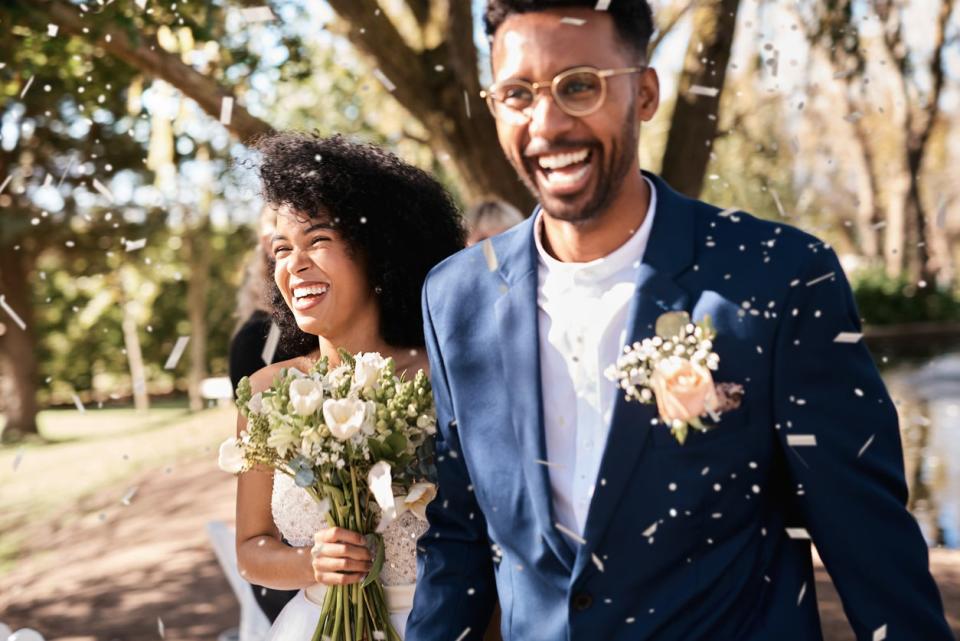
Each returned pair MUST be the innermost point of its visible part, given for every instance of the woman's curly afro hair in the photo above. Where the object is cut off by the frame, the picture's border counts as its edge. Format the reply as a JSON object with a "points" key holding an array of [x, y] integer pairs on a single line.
{"points": [[396, 219]]}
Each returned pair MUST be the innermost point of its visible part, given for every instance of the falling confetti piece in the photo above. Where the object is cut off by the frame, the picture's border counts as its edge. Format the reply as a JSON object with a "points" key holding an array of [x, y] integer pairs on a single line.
{"points": [[386, 82], [576, 22], [596, 561], [17, 459], [547, 463], [6, 181], [778, 203], [142, 4], [490, 254], [866, 445], [729, 211], [700, 90], [798, 533], [573, 535], [177, 352], [78, 403], [9, 310], [819, 279], [257, 14], [880, 633], [53, 30], [602, 5], [160, 628], [463, 635], [226, 110], [848, 337], [134, 245], [802, 440], [99, 186], [26, 88], [803, 590], [128, 497], [650, 530], [270, 347], [466, 103]]}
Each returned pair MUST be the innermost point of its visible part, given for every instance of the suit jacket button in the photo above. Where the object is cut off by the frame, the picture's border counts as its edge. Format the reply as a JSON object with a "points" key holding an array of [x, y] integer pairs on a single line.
{"points": [[582, 601]]}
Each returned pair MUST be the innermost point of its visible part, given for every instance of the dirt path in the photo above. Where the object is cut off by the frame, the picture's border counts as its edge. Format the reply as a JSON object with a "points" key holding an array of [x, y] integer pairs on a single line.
{"points": [[111, 574]]}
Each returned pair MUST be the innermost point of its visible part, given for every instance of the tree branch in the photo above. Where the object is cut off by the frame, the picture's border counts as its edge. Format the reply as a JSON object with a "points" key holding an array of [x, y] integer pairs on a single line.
{"points": [[150, 58]]}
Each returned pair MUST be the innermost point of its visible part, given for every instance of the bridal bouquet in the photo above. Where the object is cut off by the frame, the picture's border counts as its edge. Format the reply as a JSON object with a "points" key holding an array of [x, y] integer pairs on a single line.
{"points": [[353, 437]]}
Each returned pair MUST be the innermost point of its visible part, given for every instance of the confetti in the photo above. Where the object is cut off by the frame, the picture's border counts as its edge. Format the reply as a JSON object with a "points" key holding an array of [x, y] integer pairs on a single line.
{"points": [[6, 181], [650, 530], [880, 633], [160, 628], [270, 347], [729, 211], [778, 203], [26, 88], [490, 255], [9, 310], [386, 82], [848, 337], [802, 440], [596, 561], [78, 403], [602, 5], [700, 90], [128, 497], [466, 102], [547, 463], [17, 459], [134, 245], [99, 186], [226, 110], [865, 445], [798, 533], [177, 352], [463, 635], [142, 4], [573, 535], [576, 22], [53, 30], [257, 14], [819, 279], [803, 590]]}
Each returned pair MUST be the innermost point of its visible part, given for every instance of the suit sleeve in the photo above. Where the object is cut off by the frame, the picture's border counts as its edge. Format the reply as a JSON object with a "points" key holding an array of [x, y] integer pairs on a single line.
{"points": [[854, 490], [455, 592]]}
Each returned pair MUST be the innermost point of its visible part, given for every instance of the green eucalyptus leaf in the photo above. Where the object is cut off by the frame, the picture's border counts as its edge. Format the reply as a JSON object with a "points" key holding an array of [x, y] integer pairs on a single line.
{"points": [[671, 324]]}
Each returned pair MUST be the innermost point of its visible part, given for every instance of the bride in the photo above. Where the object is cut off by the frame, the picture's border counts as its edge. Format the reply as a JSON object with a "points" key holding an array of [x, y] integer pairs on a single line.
{"points": [[357, 231]]}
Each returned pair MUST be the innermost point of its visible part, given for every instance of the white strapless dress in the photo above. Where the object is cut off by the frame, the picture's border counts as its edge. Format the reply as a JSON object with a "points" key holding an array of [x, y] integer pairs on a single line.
{"points": [[298, 518]]}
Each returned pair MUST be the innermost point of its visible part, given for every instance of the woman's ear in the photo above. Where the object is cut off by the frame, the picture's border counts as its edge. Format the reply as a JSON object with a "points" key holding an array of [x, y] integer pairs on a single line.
{"points": [[648, 94]]}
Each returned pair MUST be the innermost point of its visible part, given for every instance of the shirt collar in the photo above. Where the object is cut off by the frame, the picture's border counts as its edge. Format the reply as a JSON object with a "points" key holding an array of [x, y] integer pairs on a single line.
{"points": [[599, 269]]}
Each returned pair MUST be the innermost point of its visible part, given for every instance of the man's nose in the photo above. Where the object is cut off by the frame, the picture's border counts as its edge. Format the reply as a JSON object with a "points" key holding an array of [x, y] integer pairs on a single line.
{"points": [[547, 119]]}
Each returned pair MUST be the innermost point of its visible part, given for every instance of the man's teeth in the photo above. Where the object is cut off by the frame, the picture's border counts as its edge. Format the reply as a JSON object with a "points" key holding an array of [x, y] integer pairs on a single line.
{"points": [[559, 161], [567, 178], [314, 290]]}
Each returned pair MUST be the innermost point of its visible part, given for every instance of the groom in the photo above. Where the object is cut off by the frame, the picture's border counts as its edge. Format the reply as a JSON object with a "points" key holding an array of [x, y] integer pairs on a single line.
{"points": [[581, 510]]}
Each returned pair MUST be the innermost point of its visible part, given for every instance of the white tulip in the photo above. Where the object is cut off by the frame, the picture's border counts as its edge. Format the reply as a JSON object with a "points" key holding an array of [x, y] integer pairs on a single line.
{"points": [[305, 396], [26, 634], [231, 456], [344, 417], [255, 404], [366, 373], [419, 497]]}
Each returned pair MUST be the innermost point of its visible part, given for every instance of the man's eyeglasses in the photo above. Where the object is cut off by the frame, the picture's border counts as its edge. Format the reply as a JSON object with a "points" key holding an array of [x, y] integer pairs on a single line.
{"points": [[578, 92]]}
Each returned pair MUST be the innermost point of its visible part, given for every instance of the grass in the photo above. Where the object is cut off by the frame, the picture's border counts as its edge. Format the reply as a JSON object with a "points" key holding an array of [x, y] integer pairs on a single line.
{"points": [[86, 452]]}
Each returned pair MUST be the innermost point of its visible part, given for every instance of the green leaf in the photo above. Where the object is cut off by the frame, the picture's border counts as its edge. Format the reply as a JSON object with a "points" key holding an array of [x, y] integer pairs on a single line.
{"points": [[375, 542], [397, 443], [671, 324]]}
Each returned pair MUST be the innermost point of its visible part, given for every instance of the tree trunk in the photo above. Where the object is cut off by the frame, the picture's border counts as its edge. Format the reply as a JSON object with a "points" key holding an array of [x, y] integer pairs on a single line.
{"points": [[18, 362], [693, 126], [131, 340], [197, 288]]}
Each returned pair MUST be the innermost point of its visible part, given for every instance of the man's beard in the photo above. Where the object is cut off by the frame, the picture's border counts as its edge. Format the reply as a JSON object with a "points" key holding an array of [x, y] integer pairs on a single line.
{"points": [[609, 181]]}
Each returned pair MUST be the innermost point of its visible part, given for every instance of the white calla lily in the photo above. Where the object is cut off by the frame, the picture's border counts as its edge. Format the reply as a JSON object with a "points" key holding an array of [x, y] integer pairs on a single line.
{"points": [[230, 459]]}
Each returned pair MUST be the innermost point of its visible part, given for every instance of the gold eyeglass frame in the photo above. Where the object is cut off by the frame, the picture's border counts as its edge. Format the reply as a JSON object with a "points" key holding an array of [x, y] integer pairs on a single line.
{"points": [[535, 87]]}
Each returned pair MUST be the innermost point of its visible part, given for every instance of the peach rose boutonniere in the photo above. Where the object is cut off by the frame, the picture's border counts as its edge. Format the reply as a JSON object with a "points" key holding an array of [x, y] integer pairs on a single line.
{"points": [[674, 369]]}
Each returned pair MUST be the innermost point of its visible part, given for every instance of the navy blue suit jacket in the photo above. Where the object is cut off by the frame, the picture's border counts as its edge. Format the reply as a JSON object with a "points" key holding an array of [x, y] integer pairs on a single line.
{"points": [[683, 543]]}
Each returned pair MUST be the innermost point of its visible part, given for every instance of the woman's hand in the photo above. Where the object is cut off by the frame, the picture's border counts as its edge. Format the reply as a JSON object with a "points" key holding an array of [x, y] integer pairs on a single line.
{"points": [[340, 557]]}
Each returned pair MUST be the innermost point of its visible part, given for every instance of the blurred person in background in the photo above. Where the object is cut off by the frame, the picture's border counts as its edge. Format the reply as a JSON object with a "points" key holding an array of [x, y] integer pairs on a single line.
{"points": [[489, 218]]}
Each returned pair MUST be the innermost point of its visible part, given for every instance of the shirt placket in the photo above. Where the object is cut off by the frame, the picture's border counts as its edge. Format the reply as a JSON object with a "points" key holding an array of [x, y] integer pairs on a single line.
{"points": [[586, 447]]}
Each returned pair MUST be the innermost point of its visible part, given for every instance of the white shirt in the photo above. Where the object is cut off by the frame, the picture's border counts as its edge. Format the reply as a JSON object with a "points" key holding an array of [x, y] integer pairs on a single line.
{"points": [[583, 321]]}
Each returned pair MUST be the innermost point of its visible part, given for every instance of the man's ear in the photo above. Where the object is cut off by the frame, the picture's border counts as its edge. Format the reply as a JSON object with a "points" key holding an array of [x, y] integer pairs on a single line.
{"points": [[648, 94]]}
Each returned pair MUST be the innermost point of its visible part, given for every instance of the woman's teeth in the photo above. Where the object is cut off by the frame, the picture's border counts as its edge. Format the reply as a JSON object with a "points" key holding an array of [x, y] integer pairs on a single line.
{"points": [[313, 290]]}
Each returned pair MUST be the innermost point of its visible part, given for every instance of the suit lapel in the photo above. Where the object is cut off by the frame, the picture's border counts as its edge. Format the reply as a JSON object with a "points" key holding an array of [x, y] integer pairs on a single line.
{"points": [[669, 252], [517, 319]]}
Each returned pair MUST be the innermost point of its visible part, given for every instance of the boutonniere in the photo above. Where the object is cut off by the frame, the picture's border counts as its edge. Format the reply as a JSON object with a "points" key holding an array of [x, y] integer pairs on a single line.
{"points": [[674, 370]]}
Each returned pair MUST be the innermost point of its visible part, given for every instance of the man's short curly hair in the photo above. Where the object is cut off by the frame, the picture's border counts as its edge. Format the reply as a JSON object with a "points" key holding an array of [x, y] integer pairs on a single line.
{"points": [[632, 18], [396, 219]]}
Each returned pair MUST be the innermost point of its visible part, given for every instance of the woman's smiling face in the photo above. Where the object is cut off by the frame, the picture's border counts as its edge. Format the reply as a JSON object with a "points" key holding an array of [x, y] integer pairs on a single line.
{"points": [[322, 282]]}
